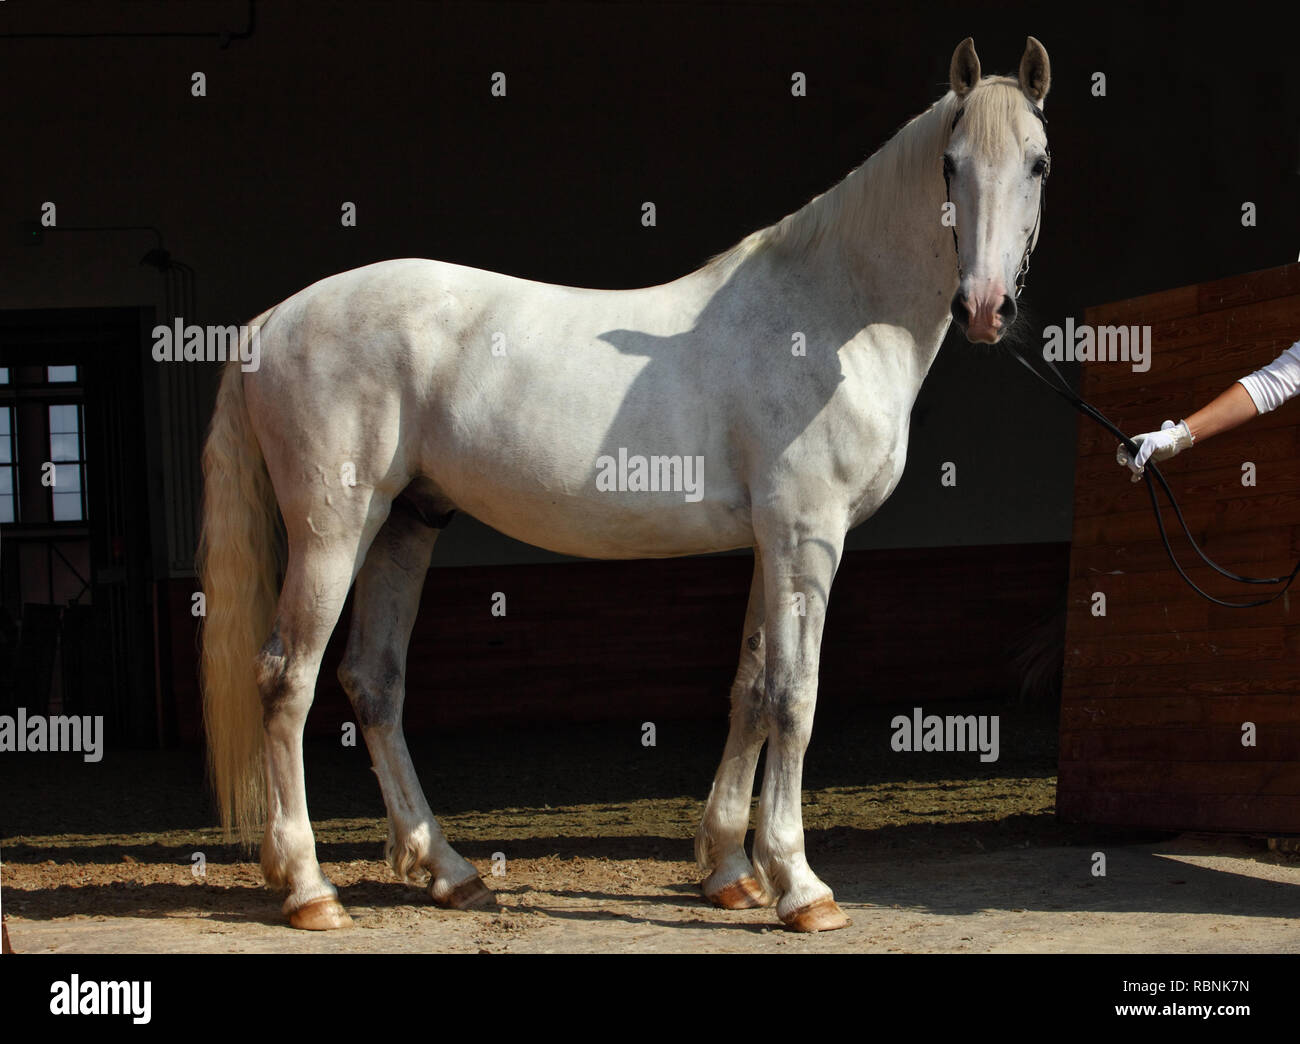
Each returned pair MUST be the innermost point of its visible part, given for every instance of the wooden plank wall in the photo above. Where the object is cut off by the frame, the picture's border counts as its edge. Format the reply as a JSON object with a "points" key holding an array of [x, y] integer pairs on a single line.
{"points": [[1155, 692], [645, 640]]}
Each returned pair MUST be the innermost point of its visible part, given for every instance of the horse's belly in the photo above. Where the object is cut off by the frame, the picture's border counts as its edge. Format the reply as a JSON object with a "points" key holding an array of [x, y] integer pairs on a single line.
{"points": [[610, 524], [574, 446]]}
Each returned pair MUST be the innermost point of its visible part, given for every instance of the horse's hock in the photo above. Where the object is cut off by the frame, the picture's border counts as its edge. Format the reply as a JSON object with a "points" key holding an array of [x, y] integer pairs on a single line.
{"points": [[1178, 714]]}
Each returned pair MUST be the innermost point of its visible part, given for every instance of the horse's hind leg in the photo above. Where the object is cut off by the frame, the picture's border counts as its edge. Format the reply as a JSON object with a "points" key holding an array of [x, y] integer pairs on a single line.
{"points": [[720, 841], [322, 559], [373, 672]]}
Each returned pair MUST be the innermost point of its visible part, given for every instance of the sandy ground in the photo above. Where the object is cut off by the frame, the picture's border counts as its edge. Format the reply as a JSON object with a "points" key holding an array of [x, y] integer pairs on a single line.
{"points": [[1191, 895], [925, 855]]}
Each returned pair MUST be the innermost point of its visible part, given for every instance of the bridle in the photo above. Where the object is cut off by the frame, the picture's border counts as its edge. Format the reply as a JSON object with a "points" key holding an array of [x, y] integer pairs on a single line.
{"points": [[1063, 389], [1022, 273]]}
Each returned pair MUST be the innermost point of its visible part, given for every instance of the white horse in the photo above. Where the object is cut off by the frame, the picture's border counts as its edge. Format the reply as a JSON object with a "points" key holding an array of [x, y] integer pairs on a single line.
{"points": [[390, 396]]}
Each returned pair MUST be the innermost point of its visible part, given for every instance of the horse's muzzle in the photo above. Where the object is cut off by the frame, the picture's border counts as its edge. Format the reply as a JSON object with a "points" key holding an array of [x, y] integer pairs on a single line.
{"points": [[980, 320]]}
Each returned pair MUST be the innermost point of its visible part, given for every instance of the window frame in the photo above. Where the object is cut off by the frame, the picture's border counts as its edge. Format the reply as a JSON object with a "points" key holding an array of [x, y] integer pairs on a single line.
{"points": [[15, 394]]}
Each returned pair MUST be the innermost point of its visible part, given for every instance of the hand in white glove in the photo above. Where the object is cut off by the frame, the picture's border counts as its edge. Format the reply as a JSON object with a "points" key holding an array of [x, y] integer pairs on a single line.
{"points": [[1159, 445]]}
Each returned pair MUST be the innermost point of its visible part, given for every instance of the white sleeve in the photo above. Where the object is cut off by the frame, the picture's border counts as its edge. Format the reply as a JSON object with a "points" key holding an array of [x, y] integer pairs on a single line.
{"points": [[1272, 385]]}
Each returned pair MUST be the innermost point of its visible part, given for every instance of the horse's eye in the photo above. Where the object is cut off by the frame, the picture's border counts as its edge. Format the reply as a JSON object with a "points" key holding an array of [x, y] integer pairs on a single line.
{"points": [[1040, 168], [949, 168]]}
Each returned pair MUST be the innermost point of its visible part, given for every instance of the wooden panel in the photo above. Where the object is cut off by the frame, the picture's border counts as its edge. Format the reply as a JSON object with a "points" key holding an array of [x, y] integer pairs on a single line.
{"points": [[1244, 552], [1155, 691], [1172, 708], [1238, 813], [638, 640], [1259, 776], [1153, 308], [1257, 286], [1207, 747]]}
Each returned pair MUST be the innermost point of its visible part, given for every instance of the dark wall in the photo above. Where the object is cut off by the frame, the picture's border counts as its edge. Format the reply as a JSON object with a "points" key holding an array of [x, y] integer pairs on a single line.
{"points": [[388, 106], [905, 626]]}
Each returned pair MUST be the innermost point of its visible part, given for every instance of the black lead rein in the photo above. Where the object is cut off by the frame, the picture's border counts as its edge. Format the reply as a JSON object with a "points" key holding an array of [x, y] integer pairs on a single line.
{"points": [[1088, 410]]}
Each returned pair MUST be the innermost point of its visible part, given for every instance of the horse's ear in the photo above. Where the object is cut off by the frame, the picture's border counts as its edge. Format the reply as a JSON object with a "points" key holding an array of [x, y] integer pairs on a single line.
{"points": [[1035, 71], [964, 70]]}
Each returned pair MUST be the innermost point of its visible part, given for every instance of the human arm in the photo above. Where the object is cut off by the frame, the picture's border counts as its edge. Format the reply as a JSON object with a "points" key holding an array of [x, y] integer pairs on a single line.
{"points": [[1258, 392]]}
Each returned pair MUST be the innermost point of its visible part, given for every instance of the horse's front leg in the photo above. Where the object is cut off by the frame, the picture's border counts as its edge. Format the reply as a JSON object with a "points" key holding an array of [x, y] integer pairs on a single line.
{"points": [[800, 556]]}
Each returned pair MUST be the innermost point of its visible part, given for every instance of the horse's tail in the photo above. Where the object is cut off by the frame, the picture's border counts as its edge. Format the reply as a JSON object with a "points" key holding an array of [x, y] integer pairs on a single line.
{"points": [[239, 559]]}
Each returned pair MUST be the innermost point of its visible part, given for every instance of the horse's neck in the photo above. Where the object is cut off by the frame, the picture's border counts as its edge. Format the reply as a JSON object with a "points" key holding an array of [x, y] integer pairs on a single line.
{"points": [[890, 265], [900, 262]]}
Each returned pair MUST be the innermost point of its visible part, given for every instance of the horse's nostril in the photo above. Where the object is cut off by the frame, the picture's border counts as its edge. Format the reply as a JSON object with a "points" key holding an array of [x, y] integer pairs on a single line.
{"points": [[960, 309], [1008, 309]]}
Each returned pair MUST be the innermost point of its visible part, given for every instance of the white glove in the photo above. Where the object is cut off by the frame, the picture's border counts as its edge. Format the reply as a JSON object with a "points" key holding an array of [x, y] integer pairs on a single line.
{"points": [[1159, 445]]}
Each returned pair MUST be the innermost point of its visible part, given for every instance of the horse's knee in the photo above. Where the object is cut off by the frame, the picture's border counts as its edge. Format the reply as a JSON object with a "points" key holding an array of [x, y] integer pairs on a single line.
{"points": [[376, 692], [789, 714]]}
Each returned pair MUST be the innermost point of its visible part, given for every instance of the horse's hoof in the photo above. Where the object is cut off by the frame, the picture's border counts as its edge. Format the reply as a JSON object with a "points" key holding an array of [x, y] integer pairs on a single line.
{"points": [[466, 896], [822, 916], [743, 894], [320, 915]]}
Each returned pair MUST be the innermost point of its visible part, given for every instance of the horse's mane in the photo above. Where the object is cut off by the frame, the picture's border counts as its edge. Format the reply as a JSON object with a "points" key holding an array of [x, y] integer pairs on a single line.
{"points": [[881, 186]]}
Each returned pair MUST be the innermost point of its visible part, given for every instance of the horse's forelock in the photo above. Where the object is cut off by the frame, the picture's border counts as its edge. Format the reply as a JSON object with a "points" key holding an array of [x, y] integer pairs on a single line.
{"points": [[992, 114]]}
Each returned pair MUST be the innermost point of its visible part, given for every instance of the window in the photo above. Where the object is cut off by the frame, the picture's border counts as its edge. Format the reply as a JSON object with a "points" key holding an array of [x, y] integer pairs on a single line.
{"points": [[68, 458], [8, 471], [43, 471]]}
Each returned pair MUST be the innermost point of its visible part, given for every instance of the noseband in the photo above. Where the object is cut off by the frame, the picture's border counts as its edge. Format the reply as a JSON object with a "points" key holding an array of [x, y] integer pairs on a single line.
{"points": [[1023, 272]]}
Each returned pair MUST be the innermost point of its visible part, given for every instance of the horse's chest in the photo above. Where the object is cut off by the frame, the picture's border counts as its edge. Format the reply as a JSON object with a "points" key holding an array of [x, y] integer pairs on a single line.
{"points": [[881, 468], [871, 452]]}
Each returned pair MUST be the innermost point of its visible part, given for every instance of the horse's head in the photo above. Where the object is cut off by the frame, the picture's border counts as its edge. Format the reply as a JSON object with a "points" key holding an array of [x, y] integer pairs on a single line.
{"points": [[995, 166]]}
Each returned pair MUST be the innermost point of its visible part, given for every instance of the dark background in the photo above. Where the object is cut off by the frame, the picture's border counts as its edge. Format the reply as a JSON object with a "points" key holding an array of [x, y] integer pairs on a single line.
{"points": [[388, 105]]}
